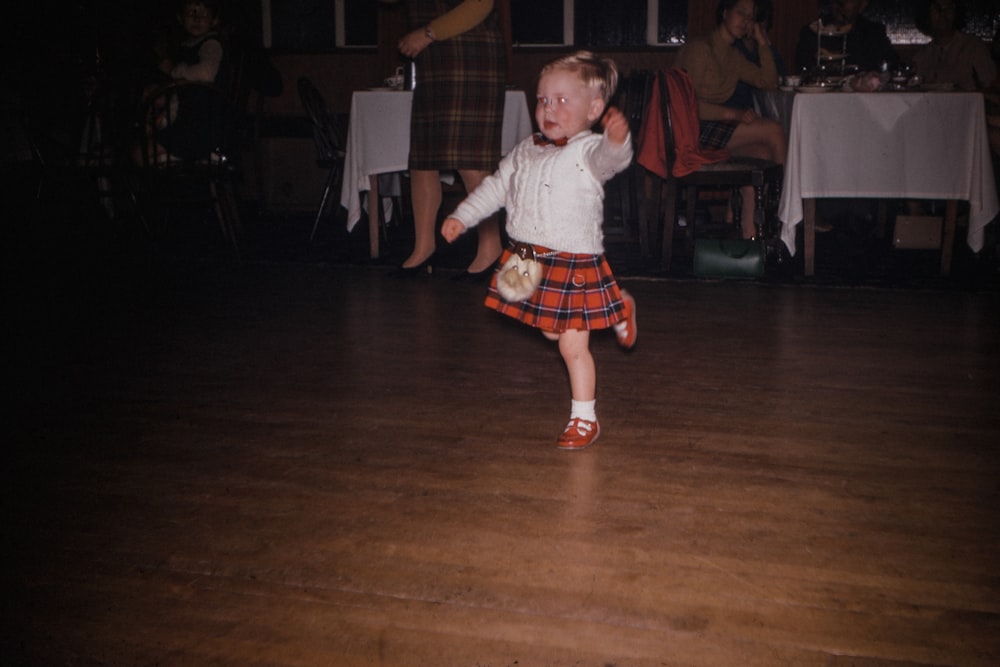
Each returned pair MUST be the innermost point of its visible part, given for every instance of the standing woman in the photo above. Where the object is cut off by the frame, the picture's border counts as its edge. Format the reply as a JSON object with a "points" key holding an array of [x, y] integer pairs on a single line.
{"points": [[457, 115], [715, 66]]}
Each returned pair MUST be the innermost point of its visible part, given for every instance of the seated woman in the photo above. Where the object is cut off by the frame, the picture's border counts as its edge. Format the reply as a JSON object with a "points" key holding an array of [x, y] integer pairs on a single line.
{"points": [[951, 56], [716, 66], [764, 15], [864, 41]]}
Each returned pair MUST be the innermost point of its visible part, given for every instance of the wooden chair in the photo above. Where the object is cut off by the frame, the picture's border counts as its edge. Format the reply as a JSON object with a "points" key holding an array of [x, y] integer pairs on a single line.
{"points": [[80, 158], [188, 145], [732, 173], [185, 162], [625, 189]]}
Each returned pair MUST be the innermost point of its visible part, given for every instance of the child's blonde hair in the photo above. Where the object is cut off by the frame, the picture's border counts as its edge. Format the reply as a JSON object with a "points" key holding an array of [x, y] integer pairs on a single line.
{"points": [[596, 72]]}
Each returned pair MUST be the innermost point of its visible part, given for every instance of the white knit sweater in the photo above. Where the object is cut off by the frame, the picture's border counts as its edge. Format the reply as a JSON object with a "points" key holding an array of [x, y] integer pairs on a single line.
{"points": [[554, 195]]}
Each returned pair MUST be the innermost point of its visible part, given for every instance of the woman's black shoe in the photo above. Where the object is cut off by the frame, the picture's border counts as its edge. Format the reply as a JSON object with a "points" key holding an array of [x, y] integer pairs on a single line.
{"points": [[477, 276], [425, 267]]}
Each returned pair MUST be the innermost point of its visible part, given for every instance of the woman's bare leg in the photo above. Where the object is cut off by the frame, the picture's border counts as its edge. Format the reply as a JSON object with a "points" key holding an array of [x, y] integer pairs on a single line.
{"points": [[425, 192], [747, 227], [488, 248], [763, 139]]}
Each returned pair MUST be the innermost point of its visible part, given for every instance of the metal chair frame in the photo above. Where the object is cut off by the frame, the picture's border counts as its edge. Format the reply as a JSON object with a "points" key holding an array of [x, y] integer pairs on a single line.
{"points": [[329, 145]]}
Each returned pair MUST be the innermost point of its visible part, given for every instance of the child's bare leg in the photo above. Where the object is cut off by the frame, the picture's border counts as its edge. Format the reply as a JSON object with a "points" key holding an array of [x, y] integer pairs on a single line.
{"points": [[582, 429], [574, 346]]}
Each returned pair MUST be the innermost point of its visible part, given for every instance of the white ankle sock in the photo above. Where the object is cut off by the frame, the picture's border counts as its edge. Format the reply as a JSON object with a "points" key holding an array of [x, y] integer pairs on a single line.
{"points": [[583, 410], [621, 326]]}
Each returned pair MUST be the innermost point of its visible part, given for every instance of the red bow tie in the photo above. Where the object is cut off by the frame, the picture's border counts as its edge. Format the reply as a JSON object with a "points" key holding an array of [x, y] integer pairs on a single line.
{"points": [[542, 140]]}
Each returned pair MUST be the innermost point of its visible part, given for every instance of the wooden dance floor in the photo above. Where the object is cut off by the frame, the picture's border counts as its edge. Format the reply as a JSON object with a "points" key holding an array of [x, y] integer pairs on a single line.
{"points": [[285, 465]]}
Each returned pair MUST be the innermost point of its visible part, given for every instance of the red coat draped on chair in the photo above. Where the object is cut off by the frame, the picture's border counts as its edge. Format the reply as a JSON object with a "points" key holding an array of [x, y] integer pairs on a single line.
{"points": [[684, 118]]}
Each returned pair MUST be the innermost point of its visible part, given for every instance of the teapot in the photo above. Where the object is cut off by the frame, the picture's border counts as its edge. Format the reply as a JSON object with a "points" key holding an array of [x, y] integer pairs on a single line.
{"points": [[396, 80]]}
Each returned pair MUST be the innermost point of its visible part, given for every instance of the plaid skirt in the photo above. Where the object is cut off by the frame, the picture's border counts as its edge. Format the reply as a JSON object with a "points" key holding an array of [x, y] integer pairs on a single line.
{"points": [[576, 292], [715, 133], [458, 101]]}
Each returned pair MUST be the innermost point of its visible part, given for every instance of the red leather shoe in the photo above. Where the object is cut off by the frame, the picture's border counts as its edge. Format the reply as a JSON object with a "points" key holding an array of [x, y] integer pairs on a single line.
{"points": [[626, 331], [579, 434]]}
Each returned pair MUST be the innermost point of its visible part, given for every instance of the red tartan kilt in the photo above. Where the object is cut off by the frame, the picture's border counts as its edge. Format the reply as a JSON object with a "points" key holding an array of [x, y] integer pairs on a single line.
{"points": [[576, 292]]}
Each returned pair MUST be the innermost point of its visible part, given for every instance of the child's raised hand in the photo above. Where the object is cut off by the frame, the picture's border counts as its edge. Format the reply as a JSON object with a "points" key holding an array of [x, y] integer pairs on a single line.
{"points": [[451, 229], [615, 126]]}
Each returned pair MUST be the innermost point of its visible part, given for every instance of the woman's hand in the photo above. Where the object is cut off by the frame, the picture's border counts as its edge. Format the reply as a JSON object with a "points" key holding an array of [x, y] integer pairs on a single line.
{"points": [[414, 42], [745, 116], [451, 229], [760, 35]]}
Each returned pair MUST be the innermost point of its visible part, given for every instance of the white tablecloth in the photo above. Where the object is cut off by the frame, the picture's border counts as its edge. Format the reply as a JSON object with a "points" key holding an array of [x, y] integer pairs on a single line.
{"points": [[378, 140], [889, 145]]}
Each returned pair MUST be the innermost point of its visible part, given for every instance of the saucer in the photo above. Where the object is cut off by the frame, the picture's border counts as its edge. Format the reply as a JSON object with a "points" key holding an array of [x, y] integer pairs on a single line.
{"points": [[815, 88]]}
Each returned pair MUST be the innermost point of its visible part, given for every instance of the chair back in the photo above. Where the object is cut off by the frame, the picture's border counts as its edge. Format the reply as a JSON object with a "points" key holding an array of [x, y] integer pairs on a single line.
{"points": [[681, 126], [633, 93], [329, 146], [667, 120], [186, 122]]}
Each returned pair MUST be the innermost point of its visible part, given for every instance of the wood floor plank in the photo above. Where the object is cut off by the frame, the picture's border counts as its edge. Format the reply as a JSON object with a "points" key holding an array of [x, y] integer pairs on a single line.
{"points": [[309, 465]]}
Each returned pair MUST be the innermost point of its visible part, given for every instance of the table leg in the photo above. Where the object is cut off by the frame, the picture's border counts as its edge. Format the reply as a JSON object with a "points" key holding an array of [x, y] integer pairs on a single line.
{"points": [[809, 240], [948, 239], [373, 216], [881, 218]]}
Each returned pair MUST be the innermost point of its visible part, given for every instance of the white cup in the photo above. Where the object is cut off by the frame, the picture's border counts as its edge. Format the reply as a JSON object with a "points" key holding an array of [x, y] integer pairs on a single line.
{"points": [[793, 81]]}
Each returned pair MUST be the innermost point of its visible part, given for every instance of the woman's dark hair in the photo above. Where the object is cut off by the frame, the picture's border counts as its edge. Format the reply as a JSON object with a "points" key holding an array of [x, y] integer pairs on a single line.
{"points": [[922, 15], [723, 7], [213, 6]]}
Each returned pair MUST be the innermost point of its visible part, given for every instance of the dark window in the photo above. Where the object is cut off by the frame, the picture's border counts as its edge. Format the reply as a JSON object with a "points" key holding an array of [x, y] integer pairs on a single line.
{"points": [[599, 23], [673, 23], [981, 19], [302, 24], [360, 23], [536, 21], [312, 24]]}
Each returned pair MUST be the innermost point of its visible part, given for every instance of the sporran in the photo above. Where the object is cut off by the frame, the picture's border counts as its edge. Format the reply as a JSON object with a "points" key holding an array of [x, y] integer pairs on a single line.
{"points": [[520, 275]]}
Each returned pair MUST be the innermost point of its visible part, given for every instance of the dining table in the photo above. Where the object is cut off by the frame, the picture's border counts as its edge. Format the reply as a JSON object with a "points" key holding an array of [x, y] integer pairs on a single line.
{"points": [[912, 144], [378, 142]]}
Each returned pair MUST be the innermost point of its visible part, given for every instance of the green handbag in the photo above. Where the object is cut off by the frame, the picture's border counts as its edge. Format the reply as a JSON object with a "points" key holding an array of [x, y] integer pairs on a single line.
{"points": [[728, 258]]}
